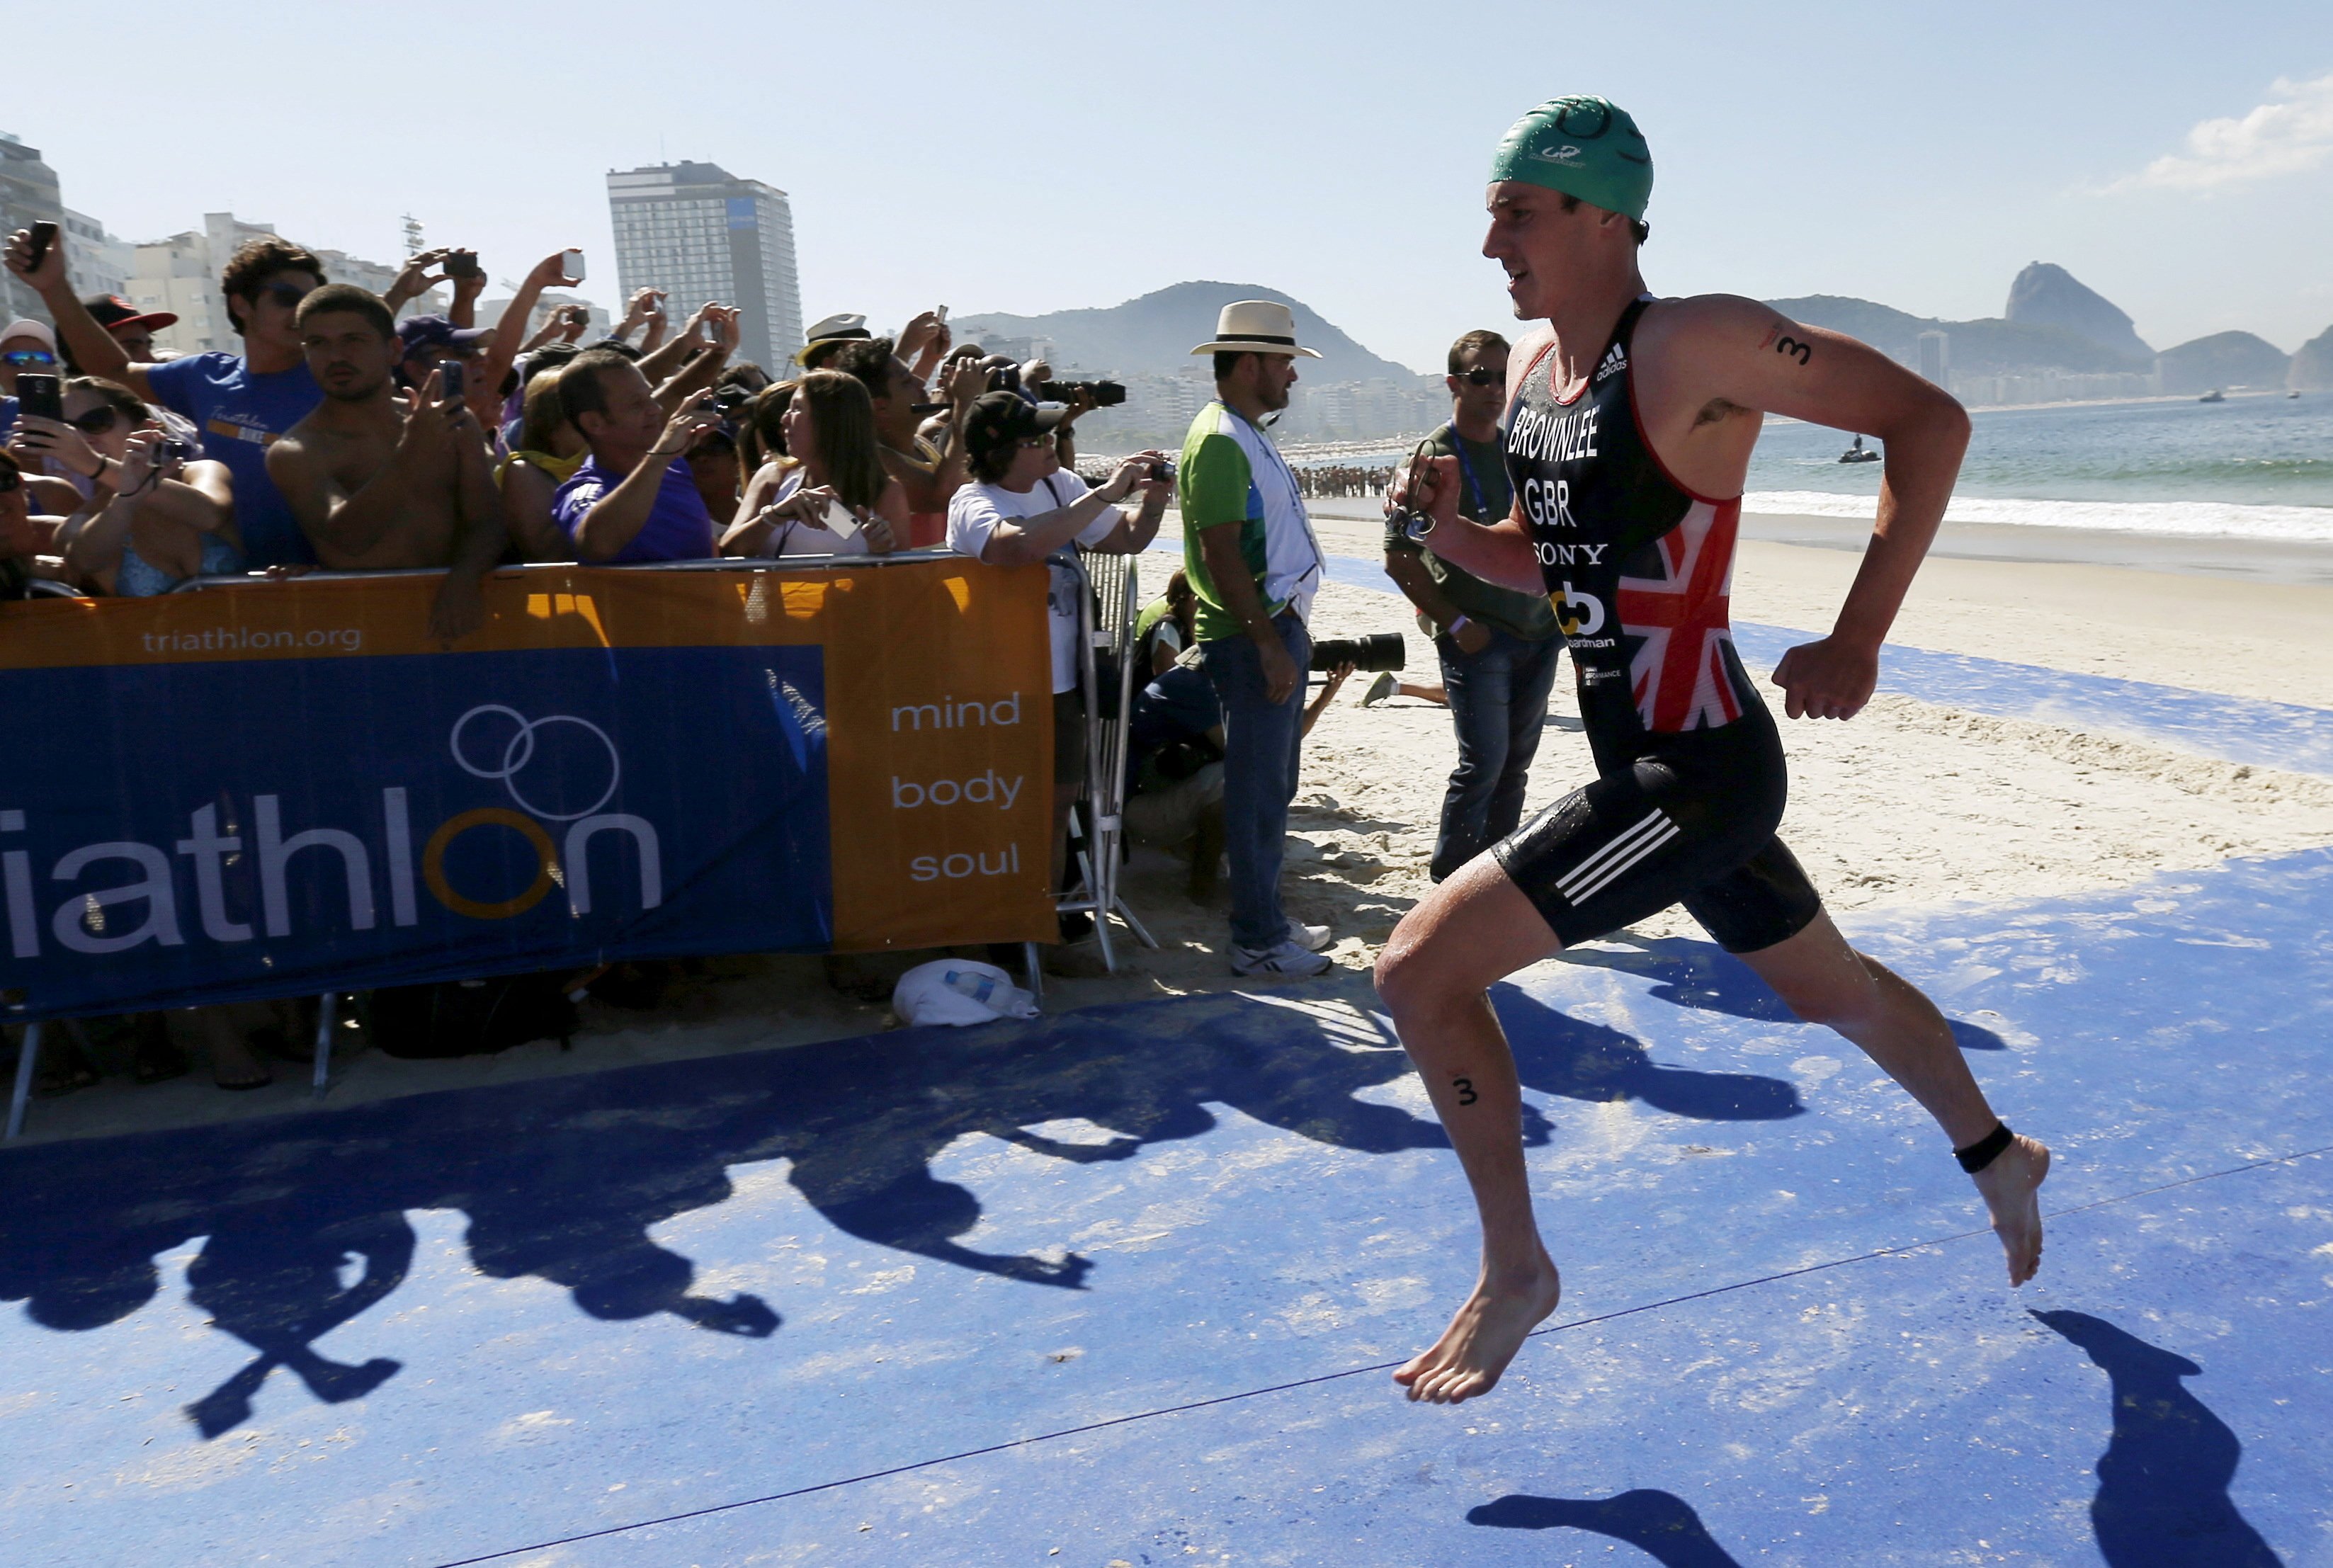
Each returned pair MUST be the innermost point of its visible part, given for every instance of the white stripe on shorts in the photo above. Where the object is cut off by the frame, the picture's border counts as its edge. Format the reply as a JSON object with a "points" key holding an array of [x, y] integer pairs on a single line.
{"points": [[1607, 865]]}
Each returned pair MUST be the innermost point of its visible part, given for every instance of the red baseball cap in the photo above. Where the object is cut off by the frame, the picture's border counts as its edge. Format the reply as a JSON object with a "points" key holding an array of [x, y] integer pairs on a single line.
{"points": [[112, 311]]}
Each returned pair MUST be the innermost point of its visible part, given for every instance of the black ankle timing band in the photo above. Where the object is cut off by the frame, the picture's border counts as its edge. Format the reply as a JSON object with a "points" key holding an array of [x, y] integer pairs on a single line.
{"points": [[1986, 1150]]}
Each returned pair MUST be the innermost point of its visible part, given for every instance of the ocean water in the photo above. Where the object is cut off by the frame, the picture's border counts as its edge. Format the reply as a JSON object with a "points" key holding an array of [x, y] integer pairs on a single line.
{"points": [[2254, 467]]}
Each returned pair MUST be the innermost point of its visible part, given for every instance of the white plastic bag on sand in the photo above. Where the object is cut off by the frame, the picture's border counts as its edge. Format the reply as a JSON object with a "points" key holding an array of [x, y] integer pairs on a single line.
{"points": [[959, 991]]}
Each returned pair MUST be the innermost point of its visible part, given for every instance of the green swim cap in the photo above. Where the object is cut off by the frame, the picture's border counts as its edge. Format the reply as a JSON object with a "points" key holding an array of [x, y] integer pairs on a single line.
{"points": [[1583, 146]]}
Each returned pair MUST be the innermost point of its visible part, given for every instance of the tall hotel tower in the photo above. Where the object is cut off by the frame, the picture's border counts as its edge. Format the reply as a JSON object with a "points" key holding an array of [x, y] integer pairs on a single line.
{"points": [[695, 232]]}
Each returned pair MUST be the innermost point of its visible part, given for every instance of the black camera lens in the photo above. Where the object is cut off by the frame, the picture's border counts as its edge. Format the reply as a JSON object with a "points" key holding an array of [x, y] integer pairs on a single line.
{"points": [[1380, 651], [176, 451]]}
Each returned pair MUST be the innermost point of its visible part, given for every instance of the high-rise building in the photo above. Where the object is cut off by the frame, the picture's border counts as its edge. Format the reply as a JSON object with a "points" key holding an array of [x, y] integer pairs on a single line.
{"points": [[700, 234], [28, 194], [1937, 357]]}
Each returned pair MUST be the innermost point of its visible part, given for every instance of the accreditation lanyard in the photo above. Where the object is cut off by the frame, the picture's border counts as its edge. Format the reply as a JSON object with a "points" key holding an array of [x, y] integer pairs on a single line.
{"points": [[1475, 486]]}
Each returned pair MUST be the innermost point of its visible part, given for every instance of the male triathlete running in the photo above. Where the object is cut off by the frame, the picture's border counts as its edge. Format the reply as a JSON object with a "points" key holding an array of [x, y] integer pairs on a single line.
{"points": [[1628, 429]]}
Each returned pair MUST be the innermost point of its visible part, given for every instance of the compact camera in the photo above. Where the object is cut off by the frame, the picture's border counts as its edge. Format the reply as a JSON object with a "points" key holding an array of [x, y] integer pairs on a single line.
{"points": [[174, 450]]}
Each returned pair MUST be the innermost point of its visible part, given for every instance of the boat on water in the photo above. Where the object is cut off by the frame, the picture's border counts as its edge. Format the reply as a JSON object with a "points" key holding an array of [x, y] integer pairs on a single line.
{"points": [[2213, 396], [1859, 453], [2292, 394]]}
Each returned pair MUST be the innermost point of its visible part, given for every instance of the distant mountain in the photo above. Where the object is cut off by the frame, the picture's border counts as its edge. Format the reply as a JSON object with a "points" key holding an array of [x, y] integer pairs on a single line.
{"points": [[1154, 334], [2223, 360], [1987, 347], [2046, 294], [2311, 370]]}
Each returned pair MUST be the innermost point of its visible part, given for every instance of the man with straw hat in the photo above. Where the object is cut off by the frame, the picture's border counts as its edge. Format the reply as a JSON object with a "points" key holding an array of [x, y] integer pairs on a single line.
{"points": [[1253, 565]]}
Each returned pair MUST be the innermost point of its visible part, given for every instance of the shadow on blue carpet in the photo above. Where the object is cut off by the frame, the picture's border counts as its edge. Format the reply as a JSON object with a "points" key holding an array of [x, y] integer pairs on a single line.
{"points": [[1660, 1525], [564, 1179], [2163, 1482]]}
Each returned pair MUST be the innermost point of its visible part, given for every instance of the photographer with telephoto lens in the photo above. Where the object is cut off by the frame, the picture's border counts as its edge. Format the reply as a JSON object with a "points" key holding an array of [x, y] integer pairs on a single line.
{"points": [[1498, 647]]}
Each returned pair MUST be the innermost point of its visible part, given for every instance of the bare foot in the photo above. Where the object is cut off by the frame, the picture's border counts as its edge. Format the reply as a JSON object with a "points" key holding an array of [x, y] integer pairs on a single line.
{"points": [[1482, 1338], [2012, 1187]]}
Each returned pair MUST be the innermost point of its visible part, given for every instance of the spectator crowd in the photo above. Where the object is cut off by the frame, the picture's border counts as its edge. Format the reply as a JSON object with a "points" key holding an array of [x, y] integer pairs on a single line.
{"points": [[1343, 481], [347, 436]]}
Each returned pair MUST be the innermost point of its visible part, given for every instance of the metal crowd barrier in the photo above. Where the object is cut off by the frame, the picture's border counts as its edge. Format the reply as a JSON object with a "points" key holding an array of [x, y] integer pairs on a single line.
{"points": [[1107, 609]]}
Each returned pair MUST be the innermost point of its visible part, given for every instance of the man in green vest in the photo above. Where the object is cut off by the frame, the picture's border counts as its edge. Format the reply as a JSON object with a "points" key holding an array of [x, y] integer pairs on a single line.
{"points": [[1253, 560]]}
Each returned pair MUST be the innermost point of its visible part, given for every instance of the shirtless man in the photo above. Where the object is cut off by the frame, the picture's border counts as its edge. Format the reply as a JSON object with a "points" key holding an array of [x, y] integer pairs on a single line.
{"points": [[1628, 419], [383, 481]]}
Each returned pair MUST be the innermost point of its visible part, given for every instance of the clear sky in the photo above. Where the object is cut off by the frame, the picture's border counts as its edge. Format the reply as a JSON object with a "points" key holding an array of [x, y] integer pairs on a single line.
{"points": [[2178, 158]]}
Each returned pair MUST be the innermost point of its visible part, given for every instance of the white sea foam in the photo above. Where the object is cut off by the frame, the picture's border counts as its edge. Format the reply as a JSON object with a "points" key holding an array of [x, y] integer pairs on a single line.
{"points": [[2185, 519]]}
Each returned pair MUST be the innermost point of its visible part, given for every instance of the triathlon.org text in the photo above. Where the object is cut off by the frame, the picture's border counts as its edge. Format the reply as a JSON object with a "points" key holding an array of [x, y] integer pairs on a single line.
{"points": [[237, 640]]}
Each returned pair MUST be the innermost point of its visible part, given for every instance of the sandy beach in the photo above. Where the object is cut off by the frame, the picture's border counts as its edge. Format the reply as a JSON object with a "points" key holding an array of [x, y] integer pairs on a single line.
{"points": [[1912, 803]]}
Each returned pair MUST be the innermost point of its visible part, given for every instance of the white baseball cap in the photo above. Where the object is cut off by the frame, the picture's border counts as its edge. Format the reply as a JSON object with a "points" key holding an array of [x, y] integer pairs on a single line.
{"points": [[25, 327]]}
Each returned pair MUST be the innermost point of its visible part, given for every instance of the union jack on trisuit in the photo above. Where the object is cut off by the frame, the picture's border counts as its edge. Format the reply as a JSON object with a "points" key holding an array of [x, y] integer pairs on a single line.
{"points": [[1680, 671]]}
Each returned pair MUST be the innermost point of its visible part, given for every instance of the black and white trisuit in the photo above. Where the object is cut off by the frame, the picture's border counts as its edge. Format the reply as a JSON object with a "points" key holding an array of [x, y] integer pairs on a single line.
{"points": [[1690, 779]]}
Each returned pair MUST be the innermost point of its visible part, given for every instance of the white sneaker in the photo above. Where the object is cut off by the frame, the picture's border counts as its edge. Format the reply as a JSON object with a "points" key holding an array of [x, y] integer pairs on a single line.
{"points": [[1291, 957], [1313, 938], [1382, 687]]}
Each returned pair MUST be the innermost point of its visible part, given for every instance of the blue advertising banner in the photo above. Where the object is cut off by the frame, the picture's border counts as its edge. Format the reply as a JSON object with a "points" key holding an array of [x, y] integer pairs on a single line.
{"points": [[269, 791]]}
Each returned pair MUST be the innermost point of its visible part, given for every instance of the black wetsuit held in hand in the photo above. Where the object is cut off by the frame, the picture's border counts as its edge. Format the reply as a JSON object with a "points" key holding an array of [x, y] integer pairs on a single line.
{"points": [[1691, 781]]}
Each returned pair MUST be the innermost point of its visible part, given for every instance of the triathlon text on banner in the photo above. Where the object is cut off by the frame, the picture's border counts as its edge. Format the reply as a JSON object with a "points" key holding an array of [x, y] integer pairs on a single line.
{"points": [[286, 787]]}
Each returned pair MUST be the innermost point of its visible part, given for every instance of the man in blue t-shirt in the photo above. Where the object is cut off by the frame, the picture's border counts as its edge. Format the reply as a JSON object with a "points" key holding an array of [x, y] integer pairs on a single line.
{"points": [[240, 402], [635, 500]]}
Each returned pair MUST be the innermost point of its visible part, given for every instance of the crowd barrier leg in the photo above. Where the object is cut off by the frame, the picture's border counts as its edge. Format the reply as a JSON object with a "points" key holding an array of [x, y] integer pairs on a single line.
{"points": [[26, 1058], [324, 1045], [1094, 892], [1033, 961], [1121, 609]]}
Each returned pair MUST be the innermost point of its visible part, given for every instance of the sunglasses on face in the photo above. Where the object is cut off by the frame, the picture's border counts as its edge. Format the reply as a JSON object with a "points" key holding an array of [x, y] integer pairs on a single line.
{"points": [[22, 358], [1033, 442], [96, 422], [9, 480], [1482, 376], [288, 295]]}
